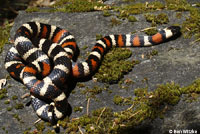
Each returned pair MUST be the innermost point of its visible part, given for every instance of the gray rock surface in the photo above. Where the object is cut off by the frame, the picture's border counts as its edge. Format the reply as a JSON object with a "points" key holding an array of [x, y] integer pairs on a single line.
{"points": [[176, 61]]}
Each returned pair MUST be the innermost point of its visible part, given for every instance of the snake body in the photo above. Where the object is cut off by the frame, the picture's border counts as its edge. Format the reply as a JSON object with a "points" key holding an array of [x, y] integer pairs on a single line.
{"points": [[31, 63]]}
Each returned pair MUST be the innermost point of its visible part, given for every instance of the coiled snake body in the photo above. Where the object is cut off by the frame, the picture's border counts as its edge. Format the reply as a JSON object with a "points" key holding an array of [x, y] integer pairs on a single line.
{"points": [[26, 62]]}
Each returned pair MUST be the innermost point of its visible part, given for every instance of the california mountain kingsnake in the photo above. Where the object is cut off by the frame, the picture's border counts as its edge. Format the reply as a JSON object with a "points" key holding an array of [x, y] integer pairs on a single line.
{"points": [[31, 65]]}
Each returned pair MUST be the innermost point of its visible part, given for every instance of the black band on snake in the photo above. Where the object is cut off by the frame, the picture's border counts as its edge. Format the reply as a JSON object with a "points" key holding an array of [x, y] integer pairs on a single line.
{"points": [[26, 61]]}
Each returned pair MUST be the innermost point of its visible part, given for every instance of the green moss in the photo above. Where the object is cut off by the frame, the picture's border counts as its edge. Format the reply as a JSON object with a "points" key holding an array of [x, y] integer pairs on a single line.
{"points": [[193, 89], [129, 0], [32, 9], [8, 77], [106, 13], [192, 97], [178, 5], [73, 92], [9, 86], [119, 100], [94, 124], [16, 116], [14, 97], [72, 6], [126, 10], [63, 123], [9, 108], [77, 5], [84, 47], [123, 15], [2, 96], [40, 126], [178, 15], [72, 127], [114, 65], [190, 27], [161, 18], [78, 109], [19, 106], [51, 132], [166, 94], [4, 34], [138, 8], [152, 53], [99, 36], [3, 128], [151, 31], [198, 4], [132, 19], [3, 93], [27, 131], [156, 5], [80, 85], [91, 92], [150, 17], [7, 102]]}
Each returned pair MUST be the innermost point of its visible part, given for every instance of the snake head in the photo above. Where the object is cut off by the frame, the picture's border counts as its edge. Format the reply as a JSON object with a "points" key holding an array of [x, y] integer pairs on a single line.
{"points": [[174, 29], [50, 112]]}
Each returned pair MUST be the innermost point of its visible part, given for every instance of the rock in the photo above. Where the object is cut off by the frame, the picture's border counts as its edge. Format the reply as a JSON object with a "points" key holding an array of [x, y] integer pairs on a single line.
{"points": [[177, 61]]}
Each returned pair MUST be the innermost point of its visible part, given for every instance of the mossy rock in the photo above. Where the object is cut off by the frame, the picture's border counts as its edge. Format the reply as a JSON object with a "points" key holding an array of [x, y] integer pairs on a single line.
{"points": [[114, 65]]}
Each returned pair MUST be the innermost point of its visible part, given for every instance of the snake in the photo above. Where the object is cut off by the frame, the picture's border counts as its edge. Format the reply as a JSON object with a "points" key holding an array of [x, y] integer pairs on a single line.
{"points": [[41, 59]]}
